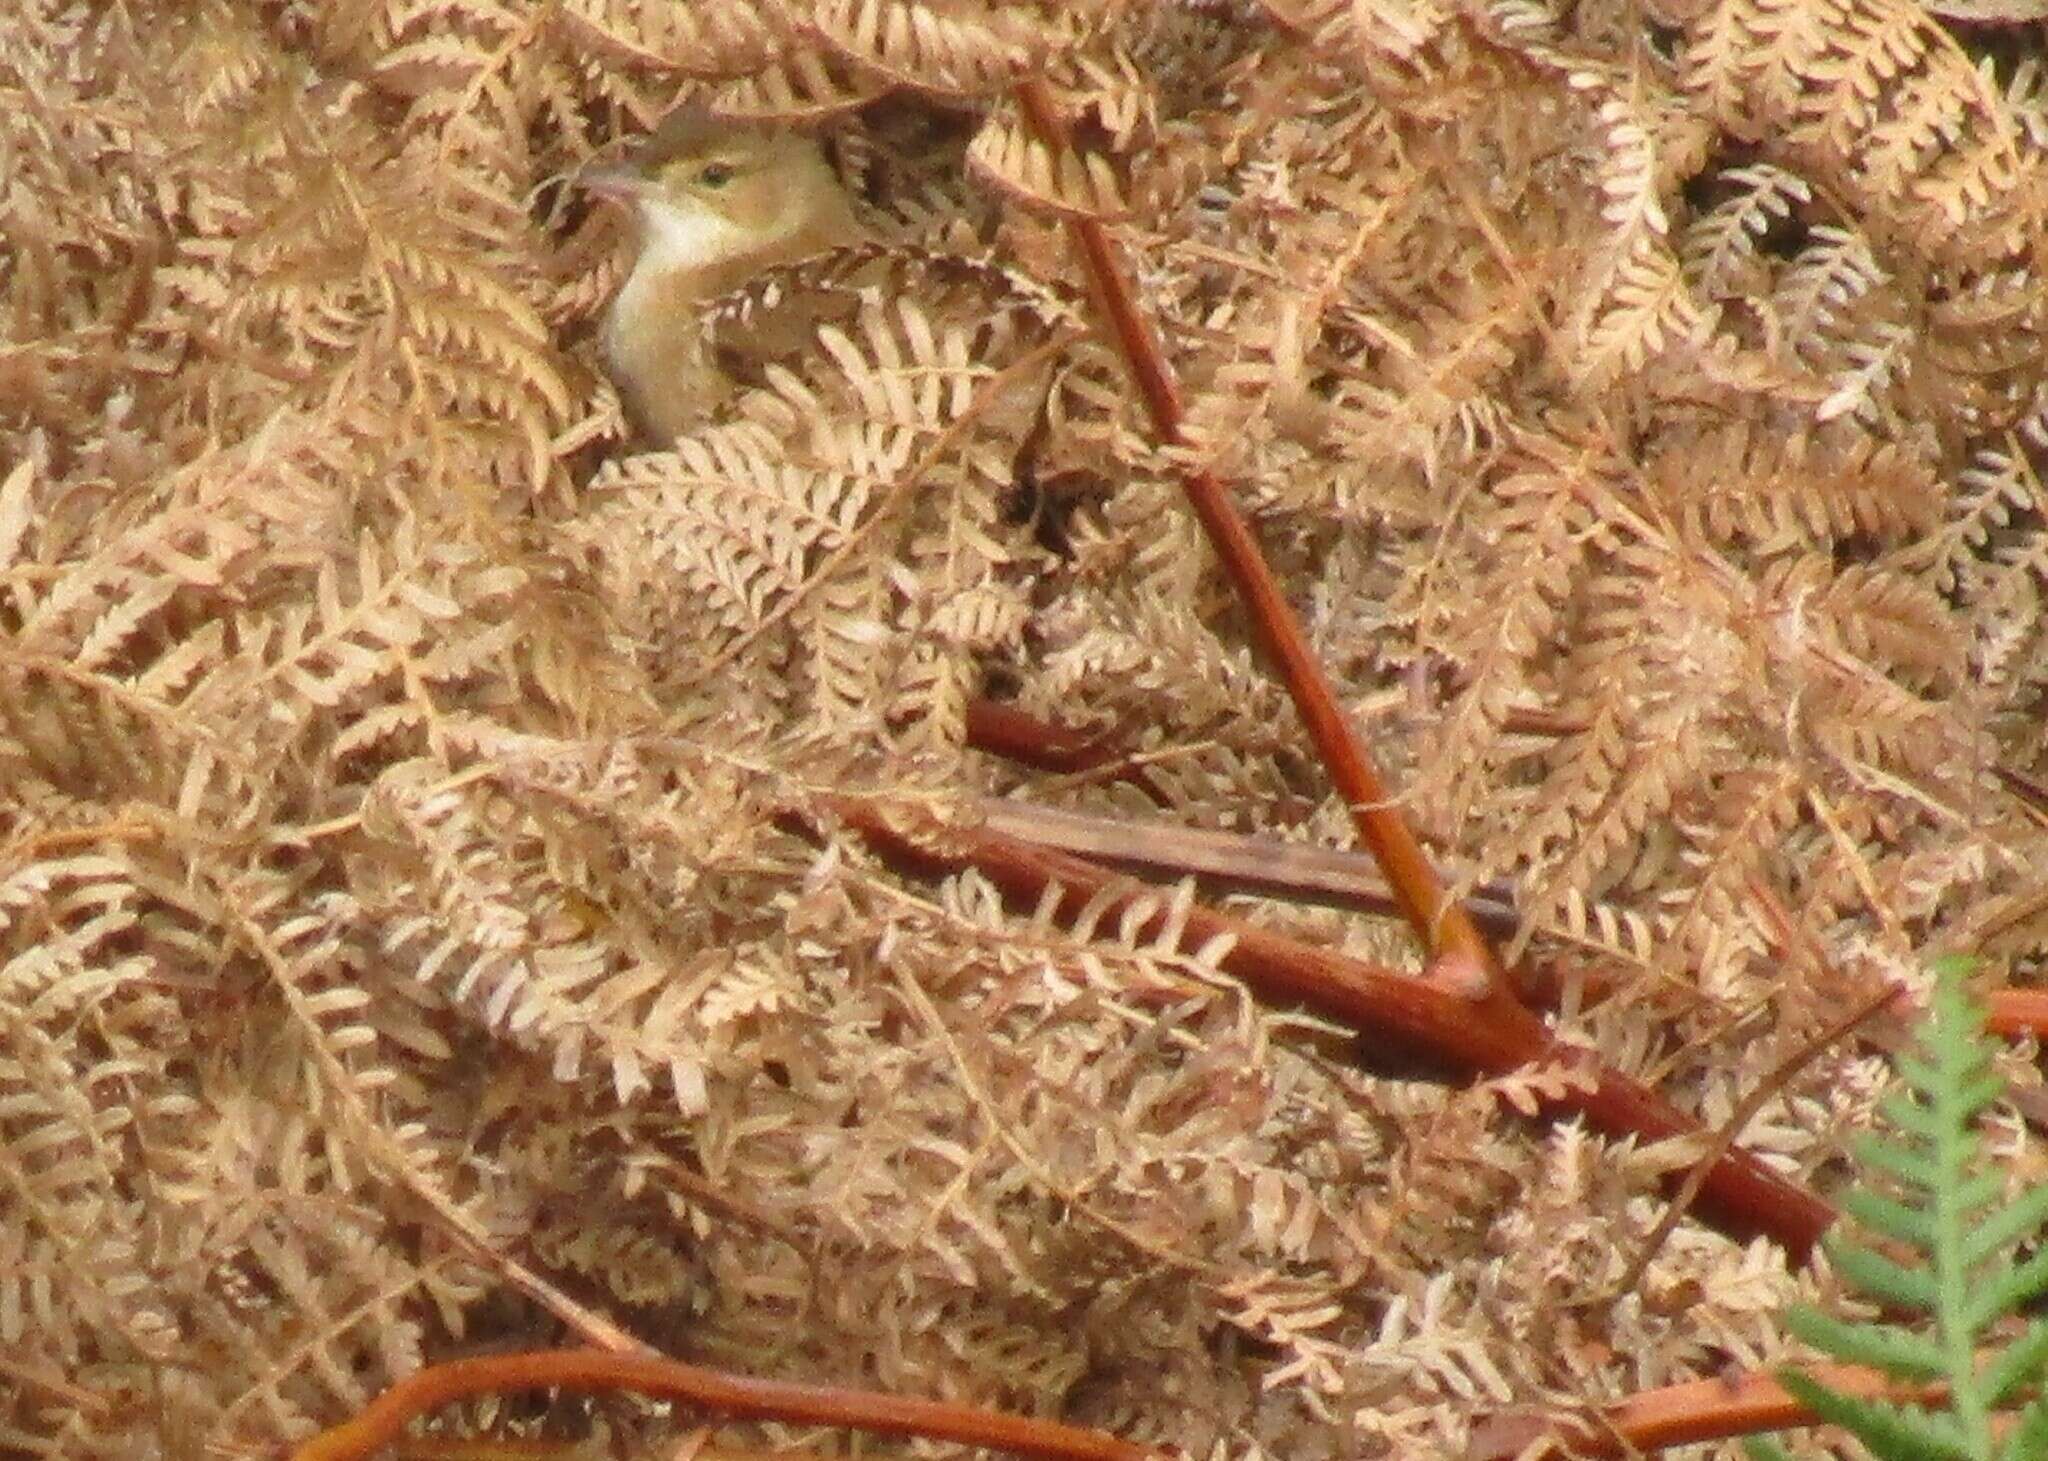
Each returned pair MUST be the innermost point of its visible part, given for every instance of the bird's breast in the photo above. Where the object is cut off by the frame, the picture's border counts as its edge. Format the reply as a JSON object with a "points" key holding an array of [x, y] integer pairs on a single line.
{"points": [[653, 345]]}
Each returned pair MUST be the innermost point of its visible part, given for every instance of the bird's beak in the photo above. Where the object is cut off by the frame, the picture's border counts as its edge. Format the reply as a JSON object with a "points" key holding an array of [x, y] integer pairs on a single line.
{"points": [[619, 184]]}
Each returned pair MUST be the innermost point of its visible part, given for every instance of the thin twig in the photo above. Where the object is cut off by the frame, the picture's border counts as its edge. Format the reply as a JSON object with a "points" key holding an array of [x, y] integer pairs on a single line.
{"points": [[2012, 1012], [1236, 860], [54, 1387], [2032, 794], [1738, 1119]]}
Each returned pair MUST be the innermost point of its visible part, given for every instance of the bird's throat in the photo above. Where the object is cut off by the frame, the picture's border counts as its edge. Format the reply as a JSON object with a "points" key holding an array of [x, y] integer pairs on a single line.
{"points": [[693, 241], [653, 337]]}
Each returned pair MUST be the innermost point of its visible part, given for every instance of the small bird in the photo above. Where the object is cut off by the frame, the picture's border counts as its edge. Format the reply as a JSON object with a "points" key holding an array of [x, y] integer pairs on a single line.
{"points": [[714, 204]]}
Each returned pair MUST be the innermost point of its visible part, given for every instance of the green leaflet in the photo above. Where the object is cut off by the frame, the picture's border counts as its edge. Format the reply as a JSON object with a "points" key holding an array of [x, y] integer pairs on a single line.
{"points": [[1929, 1187]]}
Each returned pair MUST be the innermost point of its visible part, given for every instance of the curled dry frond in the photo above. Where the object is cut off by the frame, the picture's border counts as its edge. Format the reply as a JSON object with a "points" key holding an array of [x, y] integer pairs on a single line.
{"points": [[1064, 180]]}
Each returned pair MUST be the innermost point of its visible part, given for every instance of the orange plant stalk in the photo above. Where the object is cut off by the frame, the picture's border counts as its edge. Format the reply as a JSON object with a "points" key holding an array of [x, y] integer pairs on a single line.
{"points": [[1684, 1415], [1418, 1020], [2016, 1012], [734, 1396], [1439, 921]]}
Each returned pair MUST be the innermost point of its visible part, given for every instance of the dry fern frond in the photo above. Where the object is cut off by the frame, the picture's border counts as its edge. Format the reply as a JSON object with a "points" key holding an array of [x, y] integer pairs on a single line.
{"points": [[943, 49], [796, 524], [1880, 101], [1065, 182]]}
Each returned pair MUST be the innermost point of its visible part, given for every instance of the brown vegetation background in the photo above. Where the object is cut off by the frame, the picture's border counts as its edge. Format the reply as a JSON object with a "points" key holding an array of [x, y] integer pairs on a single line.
{"points": [[413, 902]]}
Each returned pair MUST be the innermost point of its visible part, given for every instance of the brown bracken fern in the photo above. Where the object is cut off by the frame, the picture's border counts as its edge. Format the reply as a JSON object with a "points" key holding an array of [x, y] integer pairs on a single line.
{"points": [[466, 882]]}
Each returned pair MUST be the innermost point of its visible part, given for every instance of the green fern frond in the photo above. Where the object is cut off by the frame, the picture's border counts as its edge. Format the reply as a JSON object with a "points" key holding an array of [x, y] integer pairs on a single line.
{"points": [[1942, 1201]]}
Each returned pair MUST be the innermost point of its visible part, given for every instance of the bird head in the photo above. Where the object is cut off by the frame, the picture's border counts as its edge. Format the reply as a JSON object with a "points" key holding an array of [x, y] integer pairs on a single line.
{"points": [[715, 205], [707, 195]]}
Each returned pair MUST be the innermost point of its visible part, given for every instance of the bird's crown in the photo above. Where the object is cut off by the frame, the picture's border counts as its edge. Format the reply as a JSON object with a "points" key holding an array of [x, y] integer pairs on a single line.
{"points": [[716, 189]]}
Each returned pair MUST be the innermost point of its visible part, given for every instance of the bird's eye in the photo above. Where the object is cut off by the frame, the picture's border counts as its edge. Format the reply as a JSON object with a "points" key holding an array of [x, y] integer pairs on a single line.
{"points": [[715, 174]]}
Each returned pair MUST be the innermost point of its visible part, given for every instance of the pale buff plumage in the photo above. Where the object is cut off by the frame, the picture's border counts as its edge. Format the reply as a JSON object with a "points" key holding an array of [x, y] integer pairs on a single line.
{"points": [[713, 205]]}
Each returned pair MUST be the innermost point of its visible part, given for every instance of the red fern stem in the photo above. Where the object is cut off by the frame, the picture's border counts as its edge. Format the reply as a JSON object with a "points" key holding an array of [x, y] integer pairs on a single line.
{"points": [[2018, 1012], [1686, 1414], [1437, 919], [1422, 1023], [737, 1396], [1016, 735]]}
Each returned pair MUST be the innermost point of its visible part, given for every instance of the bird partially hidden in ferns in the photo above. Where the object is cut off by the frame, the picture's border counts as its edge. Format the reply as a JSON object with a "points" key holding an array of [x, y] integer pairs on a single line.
{"points": [[714, 205], [838, 391]]}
